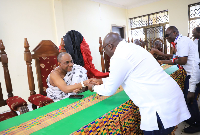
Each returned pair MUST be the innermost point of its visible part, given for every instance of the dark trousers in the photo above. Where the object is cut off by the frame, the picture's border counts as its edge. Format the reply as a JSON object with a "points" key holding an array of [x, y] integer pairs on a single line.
{"points": [[161, 130], [192, 107]]}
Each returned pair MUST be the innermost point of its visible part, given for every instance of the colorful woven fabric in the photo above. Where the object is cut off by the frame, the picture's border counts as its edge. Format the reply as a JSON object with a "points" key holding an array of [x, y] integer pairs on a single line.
{"points": [[179, 76], [165, 66], [123, 120], [54, 116]]}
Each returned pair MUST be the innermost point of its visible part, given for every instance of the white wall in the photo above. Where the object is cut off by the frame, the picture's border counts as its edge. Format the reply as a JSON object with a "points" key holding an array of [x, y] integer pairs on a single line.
{"points": [[92, 20], [19, 19], [39, 20]]}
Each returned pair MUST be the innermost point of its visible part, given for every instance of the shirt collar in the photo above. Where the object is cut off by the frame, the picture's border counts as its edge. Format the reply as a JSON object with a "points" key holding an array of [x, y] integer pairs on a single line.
{"points": [[177, 38]]}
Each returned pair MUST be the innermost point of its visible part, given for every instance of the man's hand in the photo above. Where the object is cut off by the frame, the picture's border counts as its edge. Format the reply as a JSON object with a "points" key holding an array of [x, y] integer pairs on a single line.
{"points": [[190, 97], [160, 62], [156, 51], [96, 81], [90, 85], [76, 90]]}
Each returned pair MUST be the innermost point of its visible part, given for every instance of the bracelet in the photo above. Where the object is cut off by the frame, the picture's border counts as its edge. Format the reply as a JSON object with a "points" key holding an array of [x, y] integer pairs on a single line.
{"points": [[82, 84]]}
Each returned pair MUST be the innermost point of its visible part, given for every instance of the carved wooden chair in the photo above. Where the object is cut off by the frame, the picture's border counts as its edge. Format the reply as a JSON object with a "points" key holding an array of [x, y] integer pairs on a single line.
{"points": [[45, 56], [14, 102], [105, 59], [81, 48]]}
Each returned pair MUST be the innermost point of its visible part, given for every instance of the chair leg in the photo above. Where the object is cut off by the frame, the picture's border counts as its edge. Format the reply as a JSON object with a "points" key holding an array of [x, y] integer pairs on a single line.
{"points": [[34, 106]]}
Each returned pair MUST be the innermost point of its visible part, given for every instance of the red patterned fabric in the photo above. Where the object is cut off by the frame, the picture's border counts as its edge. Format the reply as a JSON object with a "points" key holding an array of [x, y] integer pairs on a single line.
{"points": [[15, 102], [47, 64], [39, 100], [7, 115], [91, 71]]}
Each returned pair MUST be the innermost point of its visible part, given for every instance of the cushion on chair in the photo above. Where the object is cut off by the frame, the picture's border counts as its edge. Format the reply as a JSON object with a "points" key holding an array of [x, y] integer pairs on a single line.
{"points": [[7, 115], [91, 71], [15, 102], [39, 100], [47, 64]]}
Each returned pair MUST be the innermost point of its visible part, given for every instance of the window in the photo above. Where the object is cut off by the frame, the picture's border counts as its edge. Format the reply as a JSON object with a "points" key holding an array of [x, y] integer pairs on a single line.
{"points": [[194, 17], [150, 27]]}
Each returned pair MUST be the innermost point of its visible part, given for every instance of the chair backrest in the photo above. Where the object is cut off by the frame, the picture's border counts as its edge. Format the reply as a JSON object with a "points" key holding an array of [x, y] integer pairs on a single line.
{"points": [[4, 61], [45, 56], [105, 59]]}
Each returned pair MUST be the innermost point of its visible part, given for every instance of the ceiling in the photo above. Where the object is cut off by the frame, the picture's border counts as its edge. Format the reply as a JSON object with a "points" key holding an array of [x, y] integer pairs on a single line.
{"points": [[127, 4]]}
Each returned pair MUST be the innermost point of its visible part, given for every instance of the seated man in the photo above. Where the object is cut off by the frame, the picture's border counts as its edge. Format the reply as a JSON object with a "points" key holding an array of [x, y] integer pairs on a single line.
{"points": [[66, 79]]}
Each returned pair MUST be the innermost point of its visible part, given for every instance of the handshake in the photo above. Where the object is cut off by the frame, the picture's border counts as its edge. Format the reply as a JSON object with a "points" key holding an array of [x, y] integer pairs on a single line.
{"points": [[89, 84]]}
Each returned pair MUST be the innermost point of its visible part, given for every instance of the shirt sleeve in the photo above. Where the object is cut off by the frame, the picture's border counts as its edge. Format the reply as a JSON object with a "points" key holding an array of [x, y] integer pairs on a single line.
{"points": [[194, 78], [119, 70]]}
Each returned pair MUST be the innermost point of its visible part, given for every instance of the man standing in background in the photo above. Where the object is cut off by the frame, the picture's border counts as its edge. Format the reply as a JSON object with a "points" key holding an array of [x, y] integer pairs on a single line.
{"points": [[188, 57]]}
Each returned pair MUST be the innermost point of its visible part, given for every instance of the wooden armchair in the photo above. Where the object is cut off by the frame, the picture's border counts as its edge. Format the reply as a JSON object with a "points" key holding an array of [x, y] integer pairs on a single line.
{"points": [[14, 102], [45, 56]]}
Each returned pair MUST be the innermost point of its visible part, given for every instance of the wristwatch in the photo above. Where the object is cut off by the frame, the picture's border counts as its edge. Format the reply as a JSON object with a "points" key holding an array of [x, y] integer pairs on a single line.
{"points": [[82, 84]]}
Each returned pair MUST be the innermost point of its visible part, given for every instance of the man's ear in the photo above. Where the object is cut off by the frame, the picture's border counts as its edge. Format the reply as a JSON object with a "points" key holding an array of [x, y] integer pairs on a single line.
{"points": [[110, 46], [59, 63]]}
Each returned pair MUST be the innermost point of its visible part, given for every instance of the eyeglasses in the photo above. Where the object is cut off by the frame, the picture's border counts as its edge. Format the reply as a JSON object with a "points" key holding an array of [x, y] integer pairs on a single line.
{"points": [[167, 35], [105, 47]]}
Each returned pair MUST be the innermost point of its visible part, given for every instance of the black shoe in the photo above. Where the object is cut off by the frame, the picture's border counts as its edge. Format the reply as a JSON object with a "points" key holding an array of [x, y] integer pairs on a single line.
{"points": [[189, 122], [192, 129]]}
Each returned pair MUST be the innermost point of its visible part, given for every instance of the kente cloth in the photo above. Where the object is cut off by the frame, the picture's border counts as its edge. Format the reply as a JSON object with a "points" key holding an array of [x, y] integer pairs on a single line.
{"points": [[77, 75]]}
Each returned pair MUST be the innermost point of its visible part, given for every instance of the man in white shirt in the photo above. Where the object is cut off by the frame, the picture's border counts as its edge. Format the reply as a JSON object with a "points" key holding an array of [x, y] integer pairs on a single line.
{"points": [[188, 57], [158, 96]]}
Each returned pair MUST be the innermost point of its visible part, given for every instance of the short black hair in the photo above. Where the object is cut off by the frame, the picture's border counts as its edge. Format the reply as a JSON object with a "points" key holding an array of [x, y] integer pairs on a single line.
{"points": [[174, 29], [198, 29]]}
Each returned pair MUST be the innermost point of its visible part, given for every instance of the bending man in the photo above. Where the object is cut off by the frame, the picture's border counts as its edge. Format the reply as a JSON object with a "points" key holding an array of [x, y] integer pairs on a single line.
{"points": [[158, 96]]}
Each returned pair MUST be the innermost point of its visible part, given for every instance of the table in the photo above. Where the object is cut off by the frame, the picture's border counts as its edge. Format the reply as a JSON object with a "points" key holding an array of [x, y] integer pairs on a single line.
{"points": [[93, 114]]}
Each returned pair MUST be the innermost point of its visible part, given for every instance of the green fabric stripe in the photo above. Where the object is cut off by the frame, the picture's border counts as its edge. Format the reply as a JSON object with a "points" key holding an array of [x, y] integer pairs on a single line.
{"points": [[15, 121], [76, 121], [171, 69]]}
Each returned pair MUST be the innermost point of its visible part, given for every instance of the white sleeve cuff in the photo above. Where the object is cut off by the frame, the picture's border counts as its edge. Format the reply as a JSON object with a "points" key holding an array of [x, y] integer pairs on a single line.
{"points": [[192, 88]]}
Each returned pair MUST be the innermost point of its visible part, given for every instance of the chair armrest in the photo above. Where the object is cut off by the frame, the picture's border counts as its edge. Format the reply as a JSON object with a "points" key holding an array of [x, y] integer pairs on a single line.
{"points": [[15, 102], [39, 100]]}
